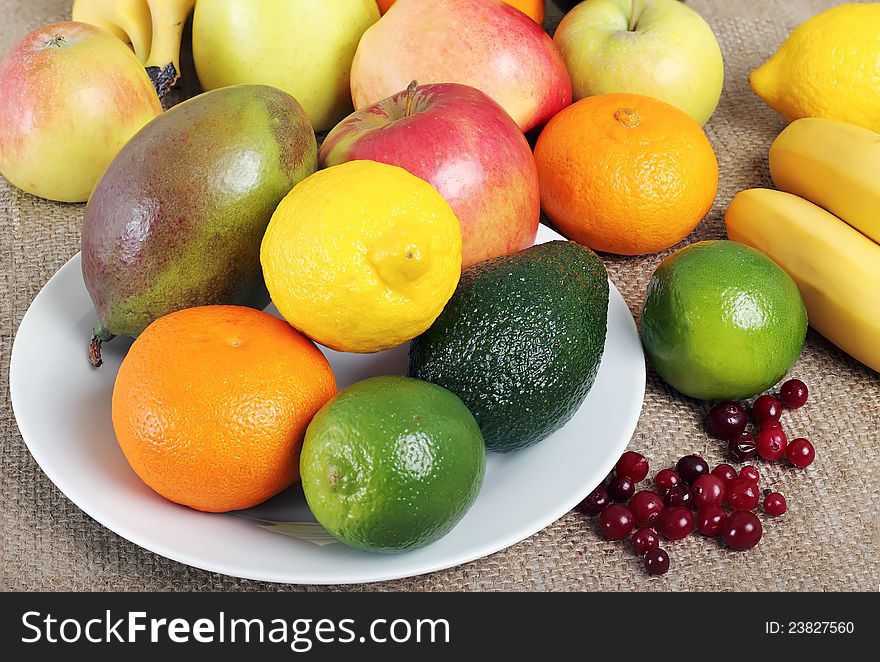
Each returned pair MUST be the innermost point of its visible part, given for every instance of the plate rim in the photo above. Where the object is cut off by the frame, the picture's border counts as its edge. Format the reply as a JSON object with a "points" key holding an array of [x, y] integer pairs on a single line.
{"points": [[485, 550]]}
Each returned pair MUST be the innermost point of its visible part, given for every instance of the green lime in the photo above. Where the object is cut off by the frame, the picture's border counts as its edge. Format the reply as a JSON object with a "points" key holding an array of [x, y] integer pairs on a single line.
{"points": [[722, 321], [392, 464]]}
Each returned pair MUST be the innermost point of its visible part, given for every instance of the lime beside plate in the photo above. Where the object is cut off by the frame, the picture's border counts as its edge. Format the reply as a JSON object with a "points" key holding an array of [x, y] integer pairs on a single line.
{"points": [[62, 406]]}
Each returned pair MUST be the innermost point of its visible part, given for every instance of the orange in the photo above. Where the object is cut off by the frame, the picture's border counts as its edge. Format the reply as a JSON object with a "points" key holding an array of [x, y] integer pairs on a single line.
{"points": [[531, 8], [625, 173], [211, 405]]}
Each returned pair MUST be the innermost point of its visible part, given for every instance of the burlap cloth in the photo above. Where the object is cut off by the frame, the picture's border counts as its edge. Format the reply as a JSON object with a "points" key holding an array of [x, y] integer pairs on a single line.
{"points": [[828, 540]]}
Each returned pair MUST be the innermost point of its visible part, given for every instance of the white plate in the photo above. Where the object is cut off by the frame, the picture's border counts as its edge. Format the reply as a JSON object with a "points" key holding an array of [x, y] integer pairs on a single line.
{"points": [[62, 406]]}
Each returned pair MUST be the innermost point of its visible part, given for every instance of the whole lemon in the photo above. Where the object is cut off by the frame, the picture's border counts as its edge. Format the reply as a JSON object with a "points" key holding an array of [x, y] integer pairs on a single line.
{"points": [[828, 67], [362, 256]]}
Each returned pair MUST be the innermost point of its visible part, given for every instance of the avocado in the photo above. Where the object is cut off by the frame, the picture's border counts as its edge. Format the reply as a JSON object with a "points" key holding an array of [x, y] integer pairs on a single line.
{"points": [[177, 219], [520, 341]]}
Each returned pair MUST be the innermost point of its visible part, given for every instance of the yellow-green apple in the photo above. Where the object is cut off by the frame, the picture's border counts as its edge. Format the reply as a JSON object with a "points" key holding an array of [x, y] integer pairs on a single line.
{"points": [[658, 48], [461, 142], [303, 47], [71, 95], [486, 44]]}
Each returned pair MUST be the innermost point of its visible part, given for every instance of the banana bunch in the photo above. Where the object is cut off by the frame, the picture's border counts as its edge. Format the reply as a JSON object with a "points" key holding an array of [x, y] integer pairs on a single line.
{"points": [[154, 28], [823, 227]]}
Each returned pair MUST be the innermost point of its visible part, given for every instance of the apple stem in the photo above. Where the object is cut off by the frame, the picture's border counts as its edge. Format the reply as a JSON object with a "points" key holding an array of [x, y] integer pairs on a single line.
{"points": [[410, 98], [634, 15]]}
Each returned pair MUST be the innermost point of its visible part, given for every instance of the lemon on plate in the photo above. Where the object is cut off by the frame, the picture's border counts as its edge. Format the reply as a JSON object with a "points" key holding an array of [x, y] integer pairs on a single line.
{"points": [[828, 67], [362, 256]]}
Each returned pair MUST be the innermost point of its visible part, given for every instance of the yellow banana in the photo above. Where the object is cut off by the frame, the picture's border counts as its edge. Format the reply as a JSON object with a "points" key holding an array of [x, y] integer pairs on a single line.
{"points": [[833, 164], [836, 268], [128, 20], [163, 64]]}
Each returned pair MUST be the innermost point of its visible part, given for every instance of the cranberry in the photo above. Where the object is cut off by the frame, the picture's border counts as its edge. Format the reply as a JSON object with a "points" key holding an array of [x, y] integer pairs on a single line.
{"points": [[726, 420], [769, 424], [675, 523], [774, 504], [766, 407], [725, 472], [751, 473], [666, 479], [677, 496], [644, 540], [708, 490], [743, 448], [657, 562], [607, 480], [742, 494], [710, 520], [645, 506], [800, 453], [691, 467], [742, 530], [771, 444], [794, 393], [616, 522], [632, 465], [621, 488], [594, 502]]}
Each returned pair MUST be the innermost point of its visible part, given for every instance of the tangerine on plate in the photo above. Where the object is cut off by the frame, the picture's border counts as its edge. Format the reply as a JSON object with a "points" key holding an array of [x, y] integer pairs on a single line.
{"points": [[625, 173], [211, 405]]}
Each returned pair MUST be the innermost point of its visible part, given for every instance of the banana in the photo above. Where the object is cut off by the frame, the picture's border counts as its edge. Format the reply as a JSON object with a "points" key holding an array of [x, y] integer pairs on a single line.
{"points": [[163, 64], [833, 164], [128, 20], [836, 268]]}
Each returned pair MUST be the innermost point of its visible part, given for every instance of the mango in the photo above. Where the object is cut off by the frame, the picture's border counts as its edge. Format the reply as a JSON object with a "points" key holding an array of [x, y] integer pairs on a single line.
{"points": [[177, 219]]}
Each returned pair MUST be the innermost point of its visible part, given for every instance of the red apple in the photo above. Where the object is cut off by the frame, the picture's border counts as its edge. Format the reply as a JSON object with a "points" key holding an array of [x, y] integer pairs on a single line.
{"points": [[71, 95], [483, 43], [462, 143]]}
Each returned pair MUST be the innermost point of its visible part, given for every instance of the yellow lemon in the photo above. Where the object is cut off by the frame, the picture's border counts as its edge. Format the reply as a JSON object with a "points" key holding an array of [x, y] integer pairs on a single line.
{"points": [[362, 256], [828, 67]]}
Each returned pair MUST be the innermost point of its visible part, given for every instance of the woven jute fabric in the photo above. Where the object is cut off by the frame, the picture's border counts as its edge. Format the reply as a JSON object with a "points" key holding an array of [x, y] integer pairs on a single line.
{"points": [[829, 539]]}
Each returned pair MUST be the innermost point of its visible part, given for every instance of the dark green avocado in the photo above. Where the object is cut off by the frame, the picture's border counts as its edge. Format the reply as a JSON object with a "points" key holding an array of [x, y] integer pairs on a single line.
{"points": [[520, 341]]}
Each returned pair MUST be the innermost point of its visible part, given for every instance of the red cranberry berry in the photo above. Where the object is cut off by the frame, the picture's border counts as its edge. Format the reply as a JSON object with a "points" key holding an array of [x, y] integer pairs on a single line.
{"points": [[621, 488], [607, 480], [769, 424], [726, 419], [675, 523], [657, 562], [774, 504], [725, 472], [742, 494], [751, 473], [691, 467], [677, 496], [708, 490], [766, 407], [742, 530], [616, 522], [646, 507], [644, 540], [794, 393], [800, 453], [771, 444], [632, 465], [595, 502], [710, 520], [666, 479], [743, 448]]}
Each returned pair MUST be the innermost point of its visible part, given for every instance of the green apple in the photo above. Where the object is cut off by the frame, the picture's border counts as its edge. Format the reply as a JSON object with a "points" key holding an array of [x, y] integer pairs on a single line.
{"points": [[300, 46], [658, 48]]}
